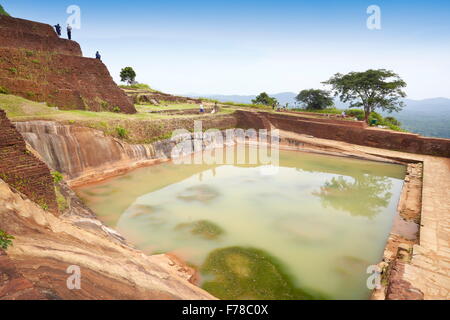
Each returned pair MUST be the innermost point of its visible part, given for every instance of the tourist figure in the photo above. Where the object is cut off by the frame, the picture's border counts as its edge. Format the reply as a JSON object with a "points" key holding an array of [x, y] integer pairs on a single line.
{"points": [[98, 56], [58, 29], [69, 32], [202, 109], [215, 109]]}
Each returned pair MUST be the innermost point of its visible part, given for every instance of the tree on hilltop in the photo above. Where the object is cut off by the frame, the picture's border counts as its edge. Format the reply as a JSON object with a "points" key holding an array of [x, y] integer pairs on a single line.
{"points": [[370, 89], [128, 75], [315, 99], [264, 99]]}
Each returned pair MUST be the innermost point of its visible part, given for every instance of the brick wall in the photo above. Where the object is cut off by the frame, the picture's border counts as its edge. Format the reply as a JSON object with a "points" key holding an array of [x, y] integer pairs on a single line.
{"points": [[38, 65], [20, 33], [22, 170], [385, 139]]}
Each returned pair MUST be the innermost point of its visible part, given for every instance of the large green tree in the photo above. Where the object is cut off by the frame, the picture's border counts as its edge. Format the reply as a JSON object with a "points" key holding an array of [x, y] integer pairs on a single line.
{"points": [[315, 99], [128, 75], [265, 99], [370, 89]]}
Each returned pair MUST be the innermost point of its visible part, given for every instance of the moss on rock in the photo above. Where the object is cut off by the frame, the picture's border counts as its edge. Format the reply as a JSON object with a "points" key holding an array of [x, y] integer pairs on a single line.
{"points": [[247, 273]]}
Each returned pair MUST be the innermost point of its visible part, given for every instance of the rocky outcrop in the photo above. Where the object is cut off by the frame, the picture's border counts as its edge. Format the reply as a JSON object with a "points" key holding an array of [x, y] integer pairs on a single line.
{"points": [[38, 65], [45, 246], [22, 170], [81, 152]]}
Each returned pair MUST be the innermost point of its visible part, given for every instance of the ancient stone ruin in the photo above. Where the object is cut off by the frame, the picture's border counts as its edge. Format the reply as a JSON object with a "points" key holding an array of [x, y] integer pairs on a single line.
{"points": [[38, 65]]}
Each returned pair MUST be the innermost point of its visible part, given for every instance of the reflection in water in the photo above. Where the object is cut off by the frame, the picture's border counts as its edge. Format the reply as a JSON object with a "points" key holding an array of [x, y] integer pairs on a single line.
{"points": [[299, 217], [362, 195]]}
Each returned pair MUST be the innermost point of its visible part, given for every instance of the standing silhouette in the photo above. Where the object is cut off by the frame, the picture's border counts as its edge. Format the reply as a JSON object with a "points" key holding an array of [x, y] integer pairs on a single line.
{"points": [[69, 32]]}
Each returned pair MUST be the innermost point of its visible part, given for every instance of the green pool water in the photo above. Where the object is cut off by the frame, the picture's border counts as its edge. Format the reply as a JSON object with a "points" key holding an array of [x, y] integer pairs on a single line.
{"points": [[307, 232]]}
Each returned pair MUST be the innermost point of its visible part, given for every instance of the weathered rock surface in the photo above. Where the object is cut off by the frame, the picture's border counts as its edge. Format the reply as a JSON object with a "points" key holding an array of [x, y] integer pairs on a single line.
{"points": [[79, 152], [35, 267]]}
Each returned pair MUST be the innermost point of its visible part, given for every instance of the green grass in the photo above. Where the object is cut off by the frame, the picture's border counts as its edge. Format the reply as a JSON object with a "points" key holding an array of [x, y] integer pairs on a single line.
{"points": [[247, 273], [21, 109], [171, 106]]}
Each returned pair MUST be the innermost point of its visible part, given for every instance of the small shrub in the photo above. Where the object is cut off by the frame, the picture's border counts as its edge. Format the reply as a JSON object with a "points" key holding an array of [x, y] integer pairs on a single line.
{"points": [[5, 240], [116, 109], [357, 113], [29, 53], [392, 121], [3, 90], [57, 177], [121, 132], [376, 116], [13, 70], [36, 61]]}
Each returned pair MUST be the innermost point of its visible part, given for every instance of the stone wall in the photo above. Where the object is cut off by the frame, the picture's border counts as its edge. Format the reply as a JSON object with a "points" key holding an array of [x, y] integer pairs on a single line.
{"points": [[22, 170], [38, 65], [371, 137]]}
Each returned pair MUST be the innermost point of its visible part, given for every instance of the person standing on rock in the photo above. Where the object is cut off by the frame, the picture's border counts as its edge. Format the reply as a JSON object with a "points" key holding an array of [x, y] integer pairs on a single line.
{"points": [[58, 29], [98, 56], [202, 109], [69, 32]]}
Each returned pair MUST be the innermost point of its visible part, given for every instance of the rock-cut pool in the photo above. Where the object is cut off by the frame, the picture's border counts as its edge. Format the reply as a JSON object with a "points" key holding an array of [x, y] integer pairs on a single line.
{"points": [[309, 231]]}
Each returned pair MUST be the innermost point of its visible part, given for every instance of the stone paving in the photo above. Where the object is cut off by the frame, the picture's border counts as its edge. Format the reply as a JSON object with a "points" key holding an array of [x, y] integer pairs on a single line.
{"points": [[429, 268]]}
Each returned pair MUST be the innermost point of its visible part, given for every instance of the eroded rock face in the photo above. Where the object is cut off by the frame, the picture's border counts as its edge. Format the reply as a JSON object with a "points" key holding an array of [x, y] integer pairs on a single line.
{"points": [[35, 267], [74, 150]]}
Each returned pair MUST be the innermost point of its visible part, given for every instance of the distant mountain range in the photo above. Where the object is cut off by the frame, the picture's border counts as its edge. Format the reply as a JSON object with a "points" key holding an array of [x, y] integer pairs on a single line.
{"points": [[429, 117]]}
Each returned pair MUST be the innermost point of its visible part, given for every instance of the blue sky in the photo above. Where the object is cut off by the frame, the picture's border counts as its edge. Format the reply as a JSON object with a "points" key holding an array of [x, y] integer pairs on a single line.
{"points": [[245, 47]]}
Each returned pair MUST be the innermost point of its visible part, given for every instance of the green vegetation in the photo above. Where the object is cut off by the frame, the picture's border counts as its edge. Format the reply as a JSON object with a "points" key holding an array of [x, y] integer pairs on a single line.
{"points": [[248, 273], [238, 105], [3, 90], [203, 228], [390, 122], [3, 12], [61, 200], [13, 70], [5, 239], [122, 132], [370, 89], [20, 109], [315, 99], [136, 86], [128, 75], [323, 111], [57, 177], [264, 99], [29, 53]]}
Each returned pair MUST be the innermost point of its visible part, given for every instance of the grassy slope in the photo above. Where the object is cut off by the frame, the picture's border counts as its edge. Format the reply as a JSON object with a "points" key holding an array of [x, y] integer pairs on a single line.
{"points": [[20, 109]]}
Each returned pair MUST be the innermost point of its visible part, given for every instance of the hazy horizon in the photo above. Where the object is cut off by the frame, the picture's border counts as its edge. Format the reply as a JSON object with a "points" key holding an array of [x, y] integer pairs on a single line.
{"points": [[246, 47]]}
